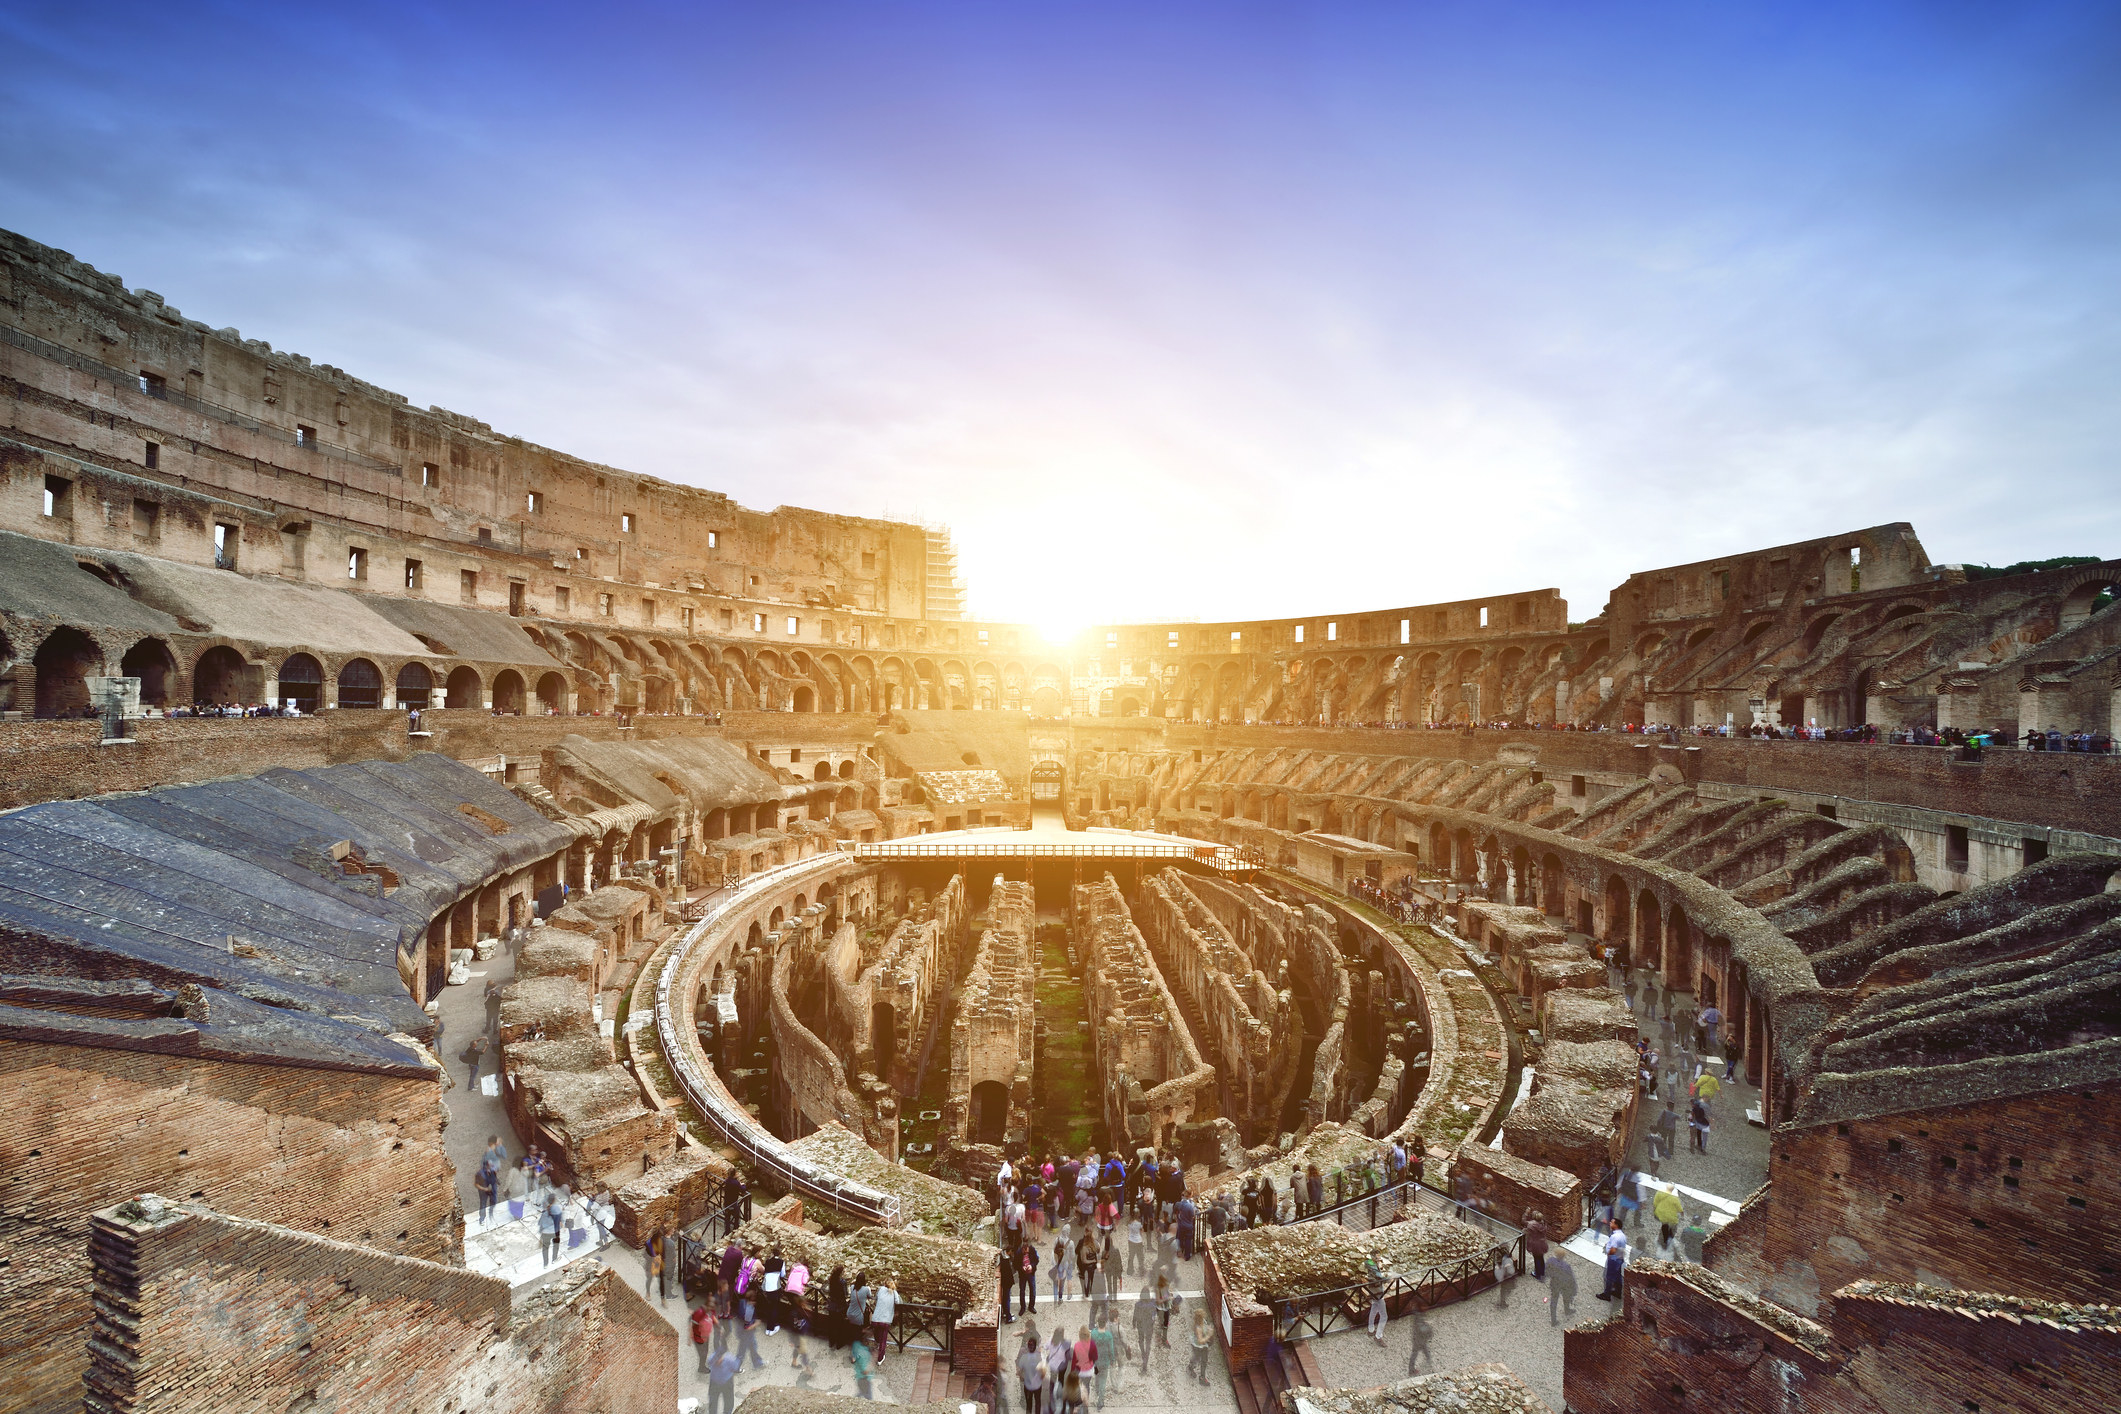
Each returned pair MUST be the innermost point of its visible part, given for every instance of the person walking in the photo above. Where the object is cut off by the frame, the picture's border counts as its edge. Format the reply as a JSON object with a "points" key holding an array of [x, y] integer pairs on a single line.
{"points": [[865, 1370], [1031, 1373], [1145, 1325], [1697, 1124], [1376, 1323], [515, 1188], [721, 1383], [1086, 1253], [1203, 1342], [1135, 1246], [702, 1327], [487, 1184], [1419, 1325], [1005, 1266], [1562, 1290], [1112, 1355], [747, 1333], [1168, 1302], [1083, 1355], [1063, 1271], [549, 1234], [1712, 1025], [1535, 1243]]}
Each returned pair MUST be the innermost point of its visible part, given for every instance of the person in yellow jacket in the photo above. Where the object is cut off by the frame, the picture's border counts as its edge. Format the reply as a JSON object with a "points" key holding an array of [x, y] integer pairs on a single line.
{"points": [[1667, 1208], [1706, 1086]]}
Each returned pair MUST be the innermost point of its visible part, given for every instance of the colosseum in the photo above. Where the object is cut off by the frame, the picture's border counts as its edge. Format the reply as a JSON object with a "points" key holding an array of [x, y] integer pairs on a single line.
{"points": [[477, 924]]}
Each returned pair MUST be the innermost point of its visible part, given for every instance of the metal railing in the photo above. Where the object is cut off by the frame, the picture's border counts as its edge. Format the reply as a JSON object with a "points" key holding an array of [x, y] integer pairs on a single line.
{"points": [[1346, 1307], [712, 1099], [925, 1327]]}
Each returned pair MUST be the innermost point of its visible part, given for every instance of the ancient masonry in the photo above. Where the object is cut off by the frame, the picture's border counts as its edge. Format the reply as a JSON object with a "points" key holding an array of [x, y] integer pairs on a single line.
{"points": [[663, 744], [992, 1035]]}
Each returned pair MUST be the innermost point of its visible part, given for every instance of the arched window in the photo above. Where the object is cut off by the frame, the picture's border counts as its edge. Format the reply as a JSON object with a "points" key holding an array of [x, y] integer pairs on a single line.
{"points": [[508, 691], [415, 685], [64, 662], [220, 676], [302, 682], [463, 689], [360, 684], [150, 661]]}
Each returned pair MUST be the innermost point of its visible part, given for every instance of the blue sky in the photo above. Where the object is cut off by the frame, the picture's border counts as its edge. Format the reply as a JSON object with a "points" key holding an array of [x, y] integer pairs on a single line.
{"points": [[1176, 309]]}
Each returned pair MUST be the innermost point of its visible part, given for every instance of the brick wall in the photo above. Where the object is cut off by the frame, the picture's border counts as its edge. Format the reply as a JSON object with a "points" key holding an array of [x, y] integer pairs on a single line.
{"points": [[336, 1153], [1684, 1341], [2010, 1196], [200, 1311]]}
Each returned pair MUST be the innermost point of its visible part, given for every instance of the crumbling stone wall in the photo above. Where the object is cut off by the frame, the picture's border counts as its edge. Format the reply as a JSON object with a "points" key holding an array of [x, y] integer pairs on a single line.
{"points": [[196, 1310], [1253, 1029], [1150, 1069], [1684, 1339], [993, 1033], [912, 974]]}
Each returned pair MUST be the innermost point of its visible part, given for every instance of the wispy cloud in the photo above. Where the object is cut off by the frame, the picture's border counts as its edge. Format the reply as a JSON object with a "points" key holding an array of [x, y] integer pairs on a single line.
{"points": [[1173, 310]]}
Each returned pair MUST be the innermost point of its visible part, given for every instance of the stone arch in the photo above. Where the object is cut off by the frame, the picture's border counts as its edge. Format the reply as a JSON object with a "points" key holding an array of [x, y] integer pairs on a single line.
{"points": [[1617, 931], [1649, 931], [416, 685], [154, 665], [1680, 957], [1553, 897], [463, 690], [508, 691], [1816, 631], [64, 662], [552, 691], [220, 675], [302, 682], [988, 1119], [360, 684], [2089, 595]]}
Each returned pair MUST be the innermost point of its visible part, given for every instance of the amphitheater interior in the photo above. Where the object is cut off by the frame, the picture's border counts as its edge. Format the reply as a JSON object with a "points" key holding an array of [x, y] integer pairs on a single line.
{"points": [[378, 782]]}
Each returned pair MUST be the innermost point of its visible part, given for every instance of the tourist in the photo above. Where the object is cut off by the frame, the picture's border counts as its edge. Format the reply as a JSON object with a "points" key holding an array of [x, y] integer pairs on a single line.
{"points": [[1005, 1266], [1314, 1200], [1071, 1395], [1535, 1243], [1112, 1355], [1664, 1131], [1033, 1207], [1027, 1278], [1420, 1329], [1168, 1302], [1563, 1289], [1135, 1246], [1615, 1244], [1060, 1360], [514, 1188], [721, 1383], [773, 1273], [1083, 1355], [548, 1230], [702, 1327], [1697, 1124], [731, 1269], [865, 1371], [487, 1187], [1627, 1197], [1375, 1277], [1031, 1373], [858, 1302], [797, 1313], [1062, 1271], [1186, 1222], [1087, 1248], [652, 1255], [603, 1209], [1145, 1324], [747, 1333], [1203, 1344], [1712, 1027], [883, 1313]]}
